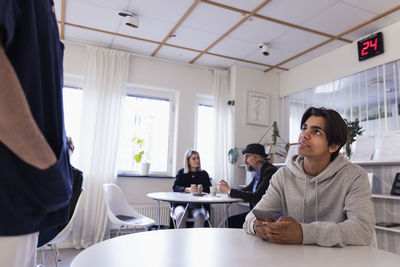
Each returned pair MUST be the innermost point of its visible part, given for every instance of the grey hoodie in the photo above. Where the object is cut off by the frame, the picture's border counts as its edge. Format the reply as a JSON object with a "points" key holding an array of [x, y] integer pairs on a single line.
{"points": [[333, 208]]}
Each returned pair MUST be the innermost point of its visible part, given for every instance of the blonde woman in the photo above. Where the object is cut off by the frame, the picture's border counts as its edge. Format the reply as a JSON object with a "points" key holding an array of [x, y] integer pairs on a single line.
{"points": [[191, 174]]}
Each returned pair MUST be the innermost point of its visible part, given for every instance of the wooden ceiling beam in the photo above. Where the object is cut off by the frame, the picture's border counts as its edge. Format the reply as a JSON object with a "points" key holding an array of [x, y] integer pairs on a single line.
{"points": [[244, 12], [177, 25], [63, 5], [234, 27], [166, 44], [340, 35]]}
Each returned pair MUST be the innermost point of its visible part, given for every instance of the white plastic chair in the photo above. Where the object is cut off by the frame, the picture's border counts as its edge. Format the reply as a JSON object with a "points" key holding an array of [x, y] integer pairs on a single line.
{"points": [[61, 236], [120, 212]]}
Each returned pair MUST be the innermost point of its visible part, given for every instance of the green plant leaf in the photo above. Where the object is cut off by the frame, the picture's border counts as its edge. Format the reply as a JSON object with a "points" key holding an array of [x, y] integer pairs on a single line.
{"points": [[138, 157]]}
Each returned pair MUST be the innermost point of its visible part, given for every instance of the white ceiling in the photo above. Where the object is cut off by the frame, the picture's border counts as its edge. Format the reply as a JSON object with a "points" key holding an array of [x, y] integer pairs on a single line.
{"points": [[208, 22]]}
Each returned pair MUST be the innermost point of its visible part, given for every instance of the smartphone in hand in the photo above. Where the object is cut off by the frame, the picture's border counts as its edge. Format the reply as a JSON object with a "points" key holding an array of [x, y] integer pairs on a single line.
{"points": [[266, 215]]}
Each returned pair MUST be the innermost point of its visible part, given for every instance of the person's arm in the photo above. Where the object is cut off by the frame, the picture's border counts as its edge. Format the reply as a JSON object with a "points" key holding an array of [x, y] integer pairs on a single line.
{"points": [[18, 129], [178, 183], [206, 182], [247, 194], [270, 201], [357, 229]]}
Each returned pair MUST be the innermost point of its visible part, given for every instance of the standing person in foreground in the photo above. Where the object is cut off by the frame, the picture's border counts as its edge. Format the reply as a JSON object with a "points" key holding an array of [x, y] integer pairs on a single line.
{"points": [[321, 197], [187, 179], [35, 182], [255, 159]]}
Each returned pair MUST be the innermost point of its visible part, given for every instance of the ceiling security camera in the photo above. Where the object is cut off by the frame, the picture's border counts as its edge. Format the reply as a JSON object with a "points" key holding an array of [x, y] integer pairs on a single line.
{"points": [[130, 18], [264, 49]]}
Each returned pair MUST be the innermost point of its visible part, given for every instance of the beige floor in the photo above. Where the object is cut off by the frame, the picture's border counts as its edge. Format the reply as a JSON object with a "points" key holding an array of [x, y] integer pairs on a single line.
{"points": [[66, 257]]}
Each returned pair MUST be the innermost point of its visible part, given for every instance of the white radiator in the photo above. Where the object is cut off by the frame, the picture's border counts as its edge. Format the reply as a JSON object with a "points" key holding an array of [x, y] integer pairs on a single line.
{"points": [[218, 213], [151, 211]]}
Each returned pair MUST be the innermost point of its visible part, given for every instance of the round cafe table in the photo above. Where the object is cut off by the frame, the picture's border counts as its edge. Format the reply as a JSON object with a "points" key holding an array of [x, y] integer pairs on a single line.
{"points": [[189, 198], [219, 247]]}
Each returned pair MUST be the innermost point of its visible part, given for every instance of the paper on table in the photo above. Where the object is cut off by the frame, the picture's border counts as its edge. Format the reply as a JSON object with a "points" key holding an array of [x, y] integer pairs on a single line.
{"points": [[390, 148], [364, 148]]}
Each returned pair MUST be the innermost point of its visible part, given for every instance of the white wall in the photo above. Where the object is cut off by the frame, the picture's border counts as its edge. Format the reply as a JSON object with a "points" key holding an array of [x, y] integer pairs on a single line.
{"points": [[244, 80], [338, 63]]}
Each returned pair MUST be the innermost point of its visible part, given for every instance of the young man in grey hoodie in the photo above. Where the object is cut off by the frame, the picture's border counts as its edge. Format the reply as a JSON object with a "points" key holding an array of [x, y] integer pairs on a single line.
{"points": [[321, 197]]}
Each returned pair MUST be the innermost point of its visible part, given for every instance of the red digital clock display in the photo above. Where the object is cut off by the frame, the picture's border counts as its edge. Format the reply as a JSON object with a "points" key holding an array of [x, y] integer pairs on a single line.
{"points": [[370, 46]]}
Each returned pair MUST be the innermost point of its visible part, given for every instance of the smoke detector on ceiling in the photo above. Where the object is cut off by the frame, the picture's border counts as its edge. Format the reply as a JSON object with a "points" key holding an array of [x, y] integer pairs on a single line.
{"points": [[130, 18]]}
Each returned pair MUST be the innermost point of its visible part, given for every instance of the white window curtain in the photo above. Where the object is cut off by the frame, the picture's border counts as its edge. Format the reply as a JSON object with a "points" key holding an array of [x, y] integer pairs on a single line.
{"points": [[223, 125], [106, 73]]}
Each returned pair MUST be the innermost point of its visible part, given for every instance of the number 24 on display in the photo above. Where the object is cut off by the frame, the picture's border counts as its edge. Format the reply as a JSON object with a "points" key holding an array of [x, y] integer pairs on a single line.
{"points": [[367, 44]]}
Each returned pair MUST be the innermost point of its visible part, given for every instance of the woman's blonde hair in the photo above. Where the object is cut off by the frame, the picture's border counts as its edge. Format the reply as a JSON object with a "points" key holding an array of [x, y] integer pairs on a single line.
{"points": [[188, 154]]}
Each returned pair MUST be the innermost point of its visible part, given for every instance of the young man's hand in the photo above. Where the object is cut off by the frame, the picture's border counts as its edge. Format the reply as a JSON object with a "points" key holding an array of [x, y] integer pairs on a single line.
{"points": [[285, 231]]}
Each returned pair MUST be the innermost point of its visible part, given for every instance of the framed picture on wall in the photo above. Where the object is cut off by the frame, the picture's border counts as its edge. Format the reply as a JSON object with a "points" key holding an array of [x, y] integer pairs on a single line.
{"points": [[258, 108]]}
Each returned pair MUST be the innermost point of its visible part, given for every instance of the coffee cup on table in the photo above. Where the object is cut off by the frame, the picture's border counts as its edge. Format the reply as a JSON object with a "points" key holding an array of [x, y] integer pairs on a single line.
{"points": [[200, 188], [193, 188], [213, 191]]}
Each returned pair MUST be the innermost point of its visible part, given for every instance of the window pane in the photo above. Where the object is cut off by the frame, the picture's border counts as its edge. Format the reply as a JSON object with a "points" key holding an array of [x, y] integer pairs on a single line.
{"points": [[205, 137], [72, 98], [146, 118]]}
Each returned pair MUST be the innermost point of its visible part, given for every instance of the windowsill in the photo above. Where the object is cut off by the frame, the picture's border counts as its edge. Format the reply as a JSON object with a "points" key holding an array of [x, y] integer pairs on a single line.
{"points": [[132, 175]]}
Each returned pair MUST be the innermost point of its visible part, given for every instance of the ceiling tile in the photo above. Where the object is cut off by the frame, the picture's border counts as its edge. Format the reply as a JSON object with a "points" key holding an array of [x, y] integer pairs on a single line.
{"points": [[373, 6], [326, 48], [172, 53], [297, 41], [169, 11], [295, 62], [134, 46], [212, 19], [115, 4], [247, 5], [196, 39], [295, 11], [92, 16], [368, 29], [275, 56], [216, 62], [259, 30], [88, 37], [252, 66], [394, 16], [149, 28], [331, 22], [234, 47]]}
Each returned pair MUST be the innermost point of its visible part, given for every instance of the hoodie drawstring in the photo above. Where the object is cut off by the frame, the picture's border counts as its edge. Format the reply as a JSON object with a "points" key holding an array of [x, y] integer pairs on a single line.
{"points": [[316, 199], [304, 200]]}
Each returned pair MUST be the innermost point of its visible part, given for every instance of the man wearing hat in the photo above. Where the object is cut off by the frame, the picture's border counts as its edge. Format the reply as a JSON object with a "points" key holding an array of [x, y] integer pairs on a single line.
{"points": [[256, 161]]}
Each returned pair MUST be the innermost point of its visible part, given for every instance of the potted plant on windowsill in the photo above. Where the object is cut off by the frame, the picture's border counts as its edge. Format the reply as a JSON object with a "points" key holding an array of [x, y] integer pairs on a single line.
{"points": [[277, 148], [353, 130], [141, 157]]}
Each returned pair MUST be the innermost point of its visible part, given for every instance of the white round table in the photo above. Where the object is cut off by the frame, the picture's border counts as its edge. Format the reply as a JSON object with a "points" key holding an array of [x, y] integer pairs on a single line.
{"points": [[189, 198], [219, 247]]}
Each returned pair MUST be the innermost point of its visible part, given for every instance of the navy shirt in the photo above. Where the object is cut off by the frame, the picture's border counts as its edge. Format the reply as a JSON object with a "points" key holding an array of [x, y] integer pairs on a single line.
{"points": [[183, 180], [31, 199]]}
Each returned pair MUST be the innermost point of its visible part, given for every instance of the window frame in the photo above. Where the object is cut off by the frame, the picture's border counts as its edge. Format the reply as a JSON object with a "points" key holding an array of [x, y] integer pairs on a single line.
{"points": [[202, 100], [134, 90]]}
